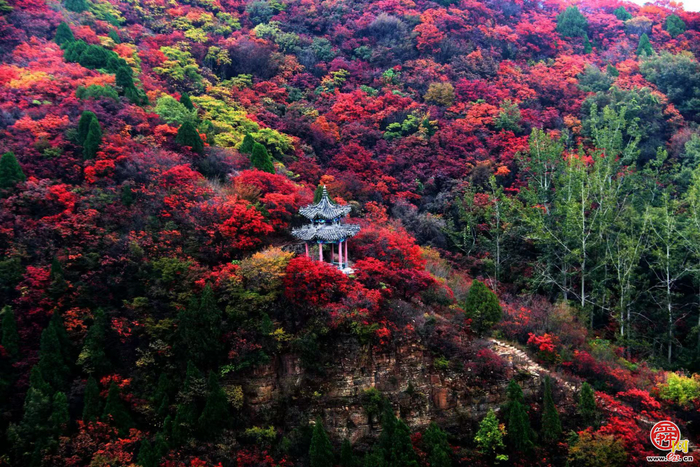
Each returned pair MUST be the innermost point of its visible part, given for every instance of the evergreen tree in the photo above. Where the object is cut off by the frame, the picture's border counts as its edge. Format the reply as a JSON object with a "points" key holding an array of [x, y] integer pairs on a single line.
{"points": [[482, 307], [587, 47], [551, 425], [147, 455], [260, 159], [216, 410], [347, 457], [437, 447], [161, 446], [571, 23], [29, 438], [246, 146], [622, 14], [114, 35], [92, 404], [182, 425], [199, 328], [59, 413], [187, 135], [123, 77], [93, 140], [86, 119], [58, 285], [674, 25], [64, 35], [645, 49], [489, 437], [612, 71], [10, 336], [10, 171], [77, 6], [318, 193], [92, 357], [186, 101], [402, 453], [161, 398], [321, 450], [587, 407], [115, 411], [52, 354], [520, 432]]}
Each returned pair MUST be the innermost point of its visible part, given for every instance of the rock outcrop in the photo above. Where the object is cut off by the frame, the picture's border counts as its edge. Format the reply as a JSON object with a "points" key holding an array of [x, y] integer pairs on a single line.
{"points": [[405, 374]]}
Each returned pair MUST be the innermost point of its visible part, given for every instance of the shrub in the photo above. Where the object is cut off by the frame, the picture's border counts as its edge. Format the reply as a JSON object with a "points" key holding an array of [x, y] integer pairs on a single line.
{"points": [[482, 307], [681, 390]]}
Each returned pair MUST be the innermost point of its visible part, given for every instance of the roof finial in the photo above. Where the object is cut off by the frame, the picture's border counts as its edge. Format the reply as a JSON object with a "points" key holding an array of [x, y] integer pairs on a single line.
{"points": [[324, 193]]}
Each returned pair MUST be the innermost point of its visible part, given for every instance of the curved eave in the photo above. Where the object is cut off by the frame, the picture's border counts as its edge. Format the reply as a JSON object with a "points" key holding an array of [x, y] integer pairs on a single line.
{"points": [[326, 233]]}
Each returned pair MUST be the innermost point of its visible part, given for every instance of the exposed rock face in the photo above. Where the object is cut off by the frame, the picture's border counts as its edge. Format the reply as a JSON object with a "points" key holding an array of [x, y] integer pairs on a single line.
{"points": [[405, 374]]}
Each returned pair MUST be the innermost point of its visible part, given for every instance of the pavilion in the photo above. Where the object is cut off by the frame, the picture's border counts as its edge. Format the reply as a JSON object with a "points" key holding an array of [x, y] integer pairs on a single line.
{"points": [[326, 228]]}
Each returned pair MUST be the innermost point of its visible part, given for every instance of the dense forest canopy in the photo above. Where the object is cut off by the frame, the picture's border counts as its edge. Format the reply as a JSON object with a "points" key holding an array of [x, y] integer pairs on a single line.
{"points": [[526, 176]]}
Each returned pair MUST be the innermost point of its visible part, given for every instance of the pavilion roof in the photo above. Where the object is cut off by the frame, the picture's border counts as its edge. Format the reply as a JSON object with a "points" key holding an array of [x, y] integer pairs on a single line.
{"points": [[324, 209], [325, 232]]}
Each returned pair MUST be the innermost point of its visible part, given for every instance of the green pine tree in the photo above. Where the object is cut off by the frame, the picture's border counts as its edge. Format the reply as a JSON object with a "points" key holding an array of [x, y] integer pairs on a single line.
{"points": [[64, 35], [199, 329], [92, 357], [147, 455], [321, 450], [58, 285], [123, 77], [186, 101], [571, 23], [92, 403], [587, 47], [551, 425], [645, 49], [10, 336], [612, 71], [10, 171], [93, 140], [161, 446], [114, 35], [437, 447], [183, 424], [520, 432], [622, 14], [489, 437], [402, 453], [482, 307], [246, 146], [86, 119], [674, 25], [29, 438], [318, 193], [161, 398], [77, 6], [115, 411], [216, 410], [52, 354], [59, 418], [261, 160], [187, 135], [587, 407], [347, 456]]}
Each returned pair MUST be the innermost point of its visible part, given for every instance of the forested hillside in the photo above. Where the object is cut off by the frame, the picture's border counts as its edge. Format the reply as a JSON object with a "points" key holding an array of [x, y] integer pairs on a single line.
{"points": [[524, 171]]}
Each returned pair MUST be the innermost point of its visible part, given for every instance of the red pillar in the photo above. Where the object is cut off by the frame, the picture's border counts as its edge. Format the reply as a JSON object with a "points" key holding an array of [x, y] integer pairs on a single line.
{"points": [[347, 258], [307, 249], [320, 251]]}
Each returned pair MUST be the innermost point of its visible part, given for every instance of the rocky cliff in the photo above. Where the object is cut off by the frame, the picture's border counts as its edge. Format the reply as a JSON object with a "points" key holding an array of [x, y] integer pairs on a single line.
{"points": [[406, 374]]}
